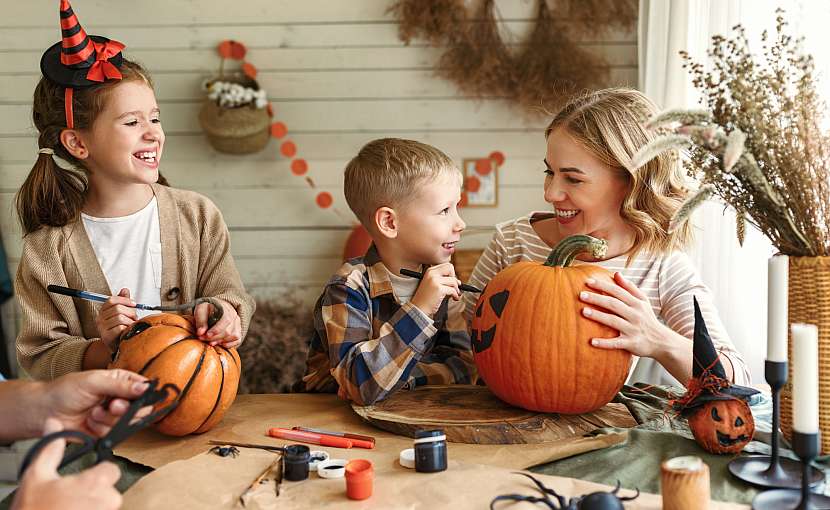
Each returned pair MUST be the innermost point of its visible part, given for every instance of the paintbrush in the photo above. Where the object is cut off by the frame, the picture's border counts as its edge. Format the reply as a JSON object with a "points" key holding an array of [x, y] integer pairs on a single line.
{"points": [[270, 448], [416, 274]]}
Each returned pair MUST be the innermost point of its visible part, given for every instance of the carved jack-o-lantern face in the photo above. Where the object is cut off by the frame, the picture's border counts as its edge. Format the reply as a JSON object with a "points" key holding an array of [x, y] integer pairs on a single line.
{"points": [[483, 339], [723, 426]]}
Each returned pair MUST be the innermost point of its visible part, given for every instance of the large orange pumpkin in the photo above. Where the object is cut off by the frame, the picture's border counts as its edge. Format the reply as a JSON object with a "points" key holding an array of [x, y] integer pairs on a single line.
{"points": [[165, 347], [531, 343]]}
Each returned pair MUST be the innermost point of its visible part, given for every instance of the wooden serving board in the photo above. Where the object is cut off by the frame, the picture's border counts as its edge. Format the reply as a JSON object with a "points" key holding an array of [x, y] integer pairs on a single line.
{"points": [[472, 414]]}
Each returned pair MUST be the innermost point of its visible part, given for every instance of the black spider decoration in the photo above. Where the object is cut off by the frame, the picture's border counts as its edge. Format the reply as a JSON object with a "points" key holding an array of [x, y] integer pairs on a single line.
{"points": [[593, 501], [225, 451]]}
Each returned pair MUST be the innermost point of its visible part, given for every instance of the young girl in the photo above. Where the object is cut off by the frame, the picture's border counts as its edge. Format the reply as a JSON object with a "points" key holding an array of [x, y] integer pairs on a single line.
{"points": [[98, 216], [588, 144]]}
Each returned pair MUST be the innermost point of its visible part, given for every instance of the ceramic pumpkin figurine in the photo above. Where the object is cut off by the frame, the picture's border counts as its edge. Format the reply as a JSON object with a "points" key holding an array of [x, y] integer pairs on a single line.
{"points": [[165, 347], [531, 342], [717, 410]]}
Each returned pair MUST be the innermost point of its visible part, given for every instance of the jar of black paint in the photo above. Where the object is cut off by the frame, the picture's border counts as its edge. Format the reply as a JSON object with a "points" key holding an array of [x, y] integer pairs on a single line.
{"points": [[430, 451]]}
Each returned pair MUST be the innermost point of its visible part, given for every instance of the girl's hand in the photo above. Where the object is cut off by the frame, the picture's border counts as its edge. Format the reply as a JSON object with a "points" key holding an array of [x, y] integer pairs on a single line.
{"points": [[116, 315], [227, 331], [641, 333]]}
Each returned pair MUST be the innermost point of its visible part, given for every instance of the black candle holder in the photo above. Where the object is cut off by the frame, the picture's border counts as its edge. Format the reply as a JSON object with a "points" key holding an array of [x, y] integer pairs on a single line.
{"points": [[806, 447], [773, 471]]}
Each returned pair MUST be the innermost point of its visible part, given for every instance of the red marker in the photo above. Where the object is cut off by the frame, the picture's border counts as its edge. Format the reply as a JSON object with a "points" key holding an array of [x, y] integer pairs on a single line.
{"points": [[310, 437]]}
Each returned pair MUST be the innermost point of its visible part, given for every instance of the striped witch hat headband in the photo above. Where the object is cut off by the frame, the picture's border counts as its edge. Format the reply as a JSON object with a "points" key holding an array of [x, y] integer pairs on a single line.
{"points": [[79, 60]]}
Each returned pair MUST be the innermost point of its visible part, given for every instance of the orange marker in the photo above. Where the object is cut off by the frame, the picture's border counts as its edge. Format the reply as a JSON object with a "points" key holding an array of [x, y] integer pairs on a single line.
{"points": [[310, 437]]}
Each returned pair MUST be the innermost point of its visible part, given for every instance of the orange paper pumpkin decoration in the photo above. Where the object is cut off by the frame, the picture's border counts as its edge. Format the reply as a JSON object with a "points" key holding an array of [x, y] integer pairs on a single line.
{"points": [[232, 49], [723, 426], [357, 243], [532, 344], [165, 347]]}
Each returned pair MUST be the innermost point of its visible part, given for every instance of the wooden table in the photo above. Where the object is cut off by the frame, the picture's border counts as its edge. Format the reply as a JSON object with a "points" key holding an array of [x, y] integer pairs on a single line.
{"points": [[191, 478]]}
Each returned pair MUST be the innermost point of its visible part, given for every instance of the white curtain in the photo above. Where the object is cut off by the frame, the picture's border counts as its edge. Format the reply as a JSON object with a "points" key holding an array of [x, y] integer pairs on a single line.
{"points": [[736, 275]]}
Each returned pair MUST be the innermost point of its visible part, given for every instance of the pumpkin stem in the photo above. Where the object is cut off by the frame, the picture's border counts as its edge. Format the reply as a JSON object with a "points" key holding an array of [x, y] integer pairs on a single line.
{"points": [[565, 252]]}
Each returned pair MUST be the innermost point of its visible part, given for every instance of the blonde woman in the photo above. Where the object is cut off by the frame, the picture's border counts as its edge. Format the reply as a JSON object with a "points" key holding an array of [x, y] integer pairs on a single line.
{"points": [[591, 192]]}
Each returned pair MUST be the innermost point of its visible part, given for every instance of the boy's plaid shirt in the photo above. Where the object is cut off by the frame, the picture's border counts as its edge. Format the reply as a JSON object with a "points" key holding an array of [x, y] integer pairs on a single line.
{"points": [[366, 345]]}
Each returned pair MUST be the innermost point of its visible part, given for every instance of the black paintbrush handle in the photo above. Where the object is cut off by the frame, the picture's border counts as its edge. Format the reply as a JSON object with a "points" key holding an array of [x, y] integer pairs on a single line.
{"points": [[415, 274]]}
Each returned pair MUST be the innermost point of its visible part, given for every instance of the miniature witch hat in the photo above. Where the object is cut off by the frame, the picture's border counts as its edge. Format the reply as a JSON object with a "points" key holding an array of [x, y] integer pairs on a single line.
{"points": [[80, 60], [709, 382]]}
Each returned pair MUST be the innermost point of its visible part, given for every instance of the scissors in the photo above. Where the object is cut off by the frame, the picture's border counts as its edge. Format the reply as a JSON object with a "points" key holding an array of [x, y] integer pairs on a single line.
{"points": [[119, 432]]}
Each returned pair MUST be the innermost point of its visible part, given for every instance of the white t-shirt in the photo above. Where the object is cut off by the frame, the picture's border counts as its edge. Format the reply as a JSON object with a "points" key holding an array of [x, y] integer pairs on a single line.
{"points": [[128, 249]]}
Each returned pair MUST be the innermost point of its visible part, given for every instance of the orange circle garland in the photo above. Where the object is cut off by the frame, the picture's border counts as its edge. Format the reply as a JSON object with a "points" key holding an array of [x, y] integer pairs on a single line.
{"points": [[324, 200], [278, 130], [498, 157], [484, 166], [299, 167], [473, 184], [288, 149]]}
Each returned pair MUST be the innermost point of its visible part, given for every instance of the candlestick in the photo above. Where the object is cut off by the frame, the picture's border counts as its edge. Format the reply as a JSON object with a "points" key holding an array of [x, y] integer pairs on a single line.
{"points": [[805, 378], [806, 447], [777, 288], [773, 471]]}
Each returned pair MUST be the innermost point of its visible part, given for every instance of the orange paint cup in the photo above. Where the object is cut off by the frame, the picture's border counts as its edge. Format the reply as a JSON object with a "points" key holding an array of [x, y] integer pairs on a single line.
{"points": [[360, 476]]}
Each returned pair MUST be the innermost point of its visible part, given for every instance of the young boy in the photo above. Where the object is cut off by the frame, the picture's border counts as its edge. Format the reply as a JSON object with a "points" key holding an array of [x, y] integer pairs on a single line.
{"points": [[376, 331]]}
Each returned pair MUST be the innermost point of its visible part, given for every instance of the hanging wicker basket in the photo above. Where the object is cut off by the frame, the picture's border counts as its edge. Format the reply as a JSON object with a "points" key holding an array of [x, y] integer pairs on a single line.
{"points": [[240, 130], [809, 302]]}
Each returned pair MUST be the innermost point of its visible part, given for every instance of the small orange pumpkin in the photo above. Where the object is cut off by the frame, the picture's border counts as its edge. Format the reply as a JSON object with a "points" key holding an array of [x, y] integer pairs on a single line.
{"points": [[531, 343], [165, 347], [723, 426]]}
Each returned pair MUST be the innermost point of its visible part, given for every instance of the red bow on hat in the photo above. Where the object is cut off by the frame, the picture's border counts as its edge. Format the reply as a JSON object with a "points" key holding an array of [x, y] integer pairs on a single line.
{"points": [[102, 69]]}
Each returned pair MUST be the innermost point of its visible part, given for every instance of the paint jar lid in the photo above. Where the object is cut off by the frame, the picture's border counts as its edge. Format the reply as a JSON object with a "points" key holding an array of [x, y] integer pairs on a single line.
{"points": [[333, 468], [317, 456], [407, 458]]}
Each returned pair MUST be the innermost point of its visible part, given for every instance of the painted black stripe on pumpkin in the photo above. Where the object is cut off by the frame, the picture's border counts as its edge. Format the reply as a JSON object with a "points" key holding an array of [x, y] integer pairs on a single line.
{"points": [[231, 356], [137, 328], [499, 301], [67, 13], [187, 386], [218, 393]]}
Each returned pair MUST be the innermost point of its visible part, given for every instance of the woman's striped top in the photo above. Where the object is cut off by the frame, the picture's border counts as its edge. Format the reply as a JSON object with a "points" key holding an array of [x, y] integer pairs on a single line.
{"points": [[669, 282]]}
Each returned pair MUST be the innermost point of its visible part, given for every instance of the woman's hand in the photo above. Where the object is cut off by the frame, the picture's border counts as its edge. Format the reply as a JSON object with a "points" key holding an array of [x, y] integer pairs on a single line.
{"points": [[227, 331], [641, 333]]}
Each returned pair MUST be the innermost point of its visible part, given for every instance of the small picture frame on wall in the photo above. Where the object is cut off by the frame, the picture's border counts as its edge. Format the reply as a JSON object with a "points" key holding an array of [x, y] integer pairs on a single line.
{"points": [[481, 182]]}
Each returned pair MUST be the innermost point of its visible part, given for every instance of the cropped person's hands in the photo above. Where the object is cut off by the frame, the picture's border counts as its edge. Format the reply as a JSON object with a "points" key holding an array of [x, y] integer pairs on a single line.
{"points": [[81, 400], [43, 488], [438, 282]]}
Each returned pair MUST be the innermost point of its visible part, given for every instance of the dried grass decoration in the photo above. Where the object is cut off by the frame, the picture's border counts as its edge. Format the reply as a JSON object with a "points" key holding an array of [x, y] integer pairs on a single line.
{"points": [[759, 145], [539, 73], [236, 115]]}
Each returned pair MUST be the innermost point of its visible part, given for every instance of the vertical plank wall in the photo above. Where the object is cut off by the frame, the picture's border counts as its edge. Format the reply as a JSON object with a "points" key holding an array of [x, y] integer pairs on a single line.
{"points": [[337, 76]]}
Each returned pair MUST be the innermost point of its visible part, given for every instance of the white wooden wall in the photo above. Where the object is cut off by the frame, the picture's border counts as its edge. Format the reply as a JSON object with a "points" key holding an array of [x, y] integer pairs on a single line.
{"points": [[337, 76]]}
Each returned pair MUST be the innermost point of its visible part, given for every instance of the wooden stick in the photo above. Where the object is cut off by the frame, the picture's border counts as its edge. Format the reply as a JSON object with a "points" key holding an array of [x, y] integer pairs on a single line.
{"points": [[270, 448], [258, 479]]}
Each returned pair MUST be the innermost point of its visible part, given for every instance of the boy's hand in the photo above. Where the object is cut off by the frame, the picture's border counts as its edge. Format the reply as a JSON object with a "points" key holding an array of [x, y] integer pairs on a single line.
{"points": [[227, 331], [438, 282], [116, 315]]}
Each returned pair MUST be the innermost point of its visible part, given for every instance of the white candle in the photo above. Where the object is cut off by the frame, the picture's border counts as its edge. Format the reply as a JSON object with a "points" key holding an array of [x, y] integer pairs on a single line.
{"points": [[805, 378], [777, 309]]}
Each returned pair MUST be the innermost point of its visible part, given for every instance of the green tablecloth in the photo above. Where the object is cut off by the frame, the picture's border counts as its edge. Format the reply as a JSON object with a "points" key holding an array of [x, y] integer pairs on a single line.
{"points": [[662, 435]]}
